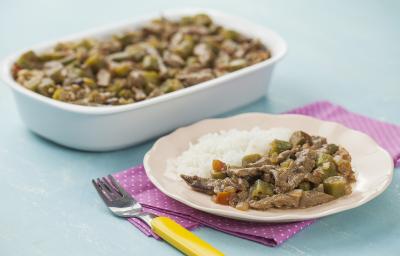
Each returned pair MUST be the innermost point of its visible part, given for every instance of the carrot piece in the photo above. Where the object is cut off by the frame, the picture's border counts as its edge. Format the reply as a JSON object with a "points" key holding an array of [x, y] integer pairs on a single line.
{"points": [[222, 197], [218, 165]]}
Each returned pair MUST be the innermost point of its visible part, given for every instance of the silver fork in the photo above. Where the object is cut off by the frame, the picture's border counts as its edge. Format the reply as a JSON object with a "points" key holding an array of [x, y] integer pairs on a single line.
{"points": [[122, 204]]}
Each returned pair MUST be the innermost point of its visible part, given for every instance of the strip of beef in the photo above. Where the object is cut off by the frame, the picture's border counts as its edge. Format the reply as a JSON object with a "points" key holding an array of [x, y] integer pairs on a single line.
{"points": [[344, 168], [173, 60], [342, 159], [306, 158], [313, 198], [238, 187], [285, 155], [316, 176], [343, 153], [267, 177], [288, 200], [287, 179], [238, 197], [249, 171], [299, 138], [191, 78], [330, 149], [235, 182], [203, 185], [318, 142]]}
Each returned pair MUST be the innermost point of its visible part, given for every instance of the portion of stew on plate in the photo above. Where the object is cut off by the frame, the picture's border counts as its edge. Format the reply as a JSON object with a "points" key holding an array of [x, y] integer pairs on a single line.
{"points": [[161, 57], [303, 172]]}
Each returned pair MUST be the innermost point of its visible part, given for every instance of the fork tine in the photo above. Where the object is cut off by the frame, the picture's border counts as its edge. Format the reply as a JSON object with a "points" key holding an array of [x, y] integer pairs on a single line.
{"points": [[120, 189], [104, 183], [110, 193], [110, 187], [100, 192]]}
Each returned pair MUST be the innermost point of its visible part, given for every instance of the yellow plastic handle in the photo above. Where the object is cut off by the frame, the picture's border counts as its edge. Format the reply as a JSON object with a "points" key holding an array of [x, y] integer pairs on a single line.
{"points": [[181, 238]]}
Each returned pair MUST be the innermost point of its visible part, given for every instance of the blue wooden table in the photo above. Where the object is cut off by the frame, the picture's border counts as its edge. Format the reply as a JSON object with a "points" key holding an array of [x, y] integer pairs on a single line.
{"points": [[344, 51]]}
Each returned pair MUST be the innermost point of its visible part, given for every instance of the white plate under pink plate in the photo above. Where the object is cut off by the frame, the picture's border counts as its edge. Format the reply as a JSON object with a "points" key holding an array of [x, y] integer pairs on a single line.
{"points": [[373, 165]]}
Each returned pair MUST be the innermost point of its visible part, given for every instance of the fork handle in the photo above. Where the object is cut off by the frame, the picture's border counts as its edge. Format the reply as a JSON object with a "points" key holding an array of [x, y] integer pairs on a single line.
{"points": [[181, 238]]}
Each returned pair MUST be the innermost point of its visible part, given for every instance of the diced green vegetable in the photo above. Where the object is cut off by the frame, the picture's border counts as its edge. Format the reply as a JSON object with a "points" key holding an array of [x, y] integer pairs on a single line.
{"points": [[128, 38], [68, 60], [287, 163], [237, 64], [328, 169], [151, 77], [261, 189], [54, 55], [89, 82], [343, 165], [87, 43], [187, 20], [154, 42], [29, 60], [136, 52], [332, 148], [324, 158], [218, 174], [125, 93], [172, 85], [124, 101], [250, 159], [121, 69], [202, 19], [278, 146], [230, 34], [94, 61], [150, 63], [273, 157], [185, 47], [335, 186], [57, 93]]}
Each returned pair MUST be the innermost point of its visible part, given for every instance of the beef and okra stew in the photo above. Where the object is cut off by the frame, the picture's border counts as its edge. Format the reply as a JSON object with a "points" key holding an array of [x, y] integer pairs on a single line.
{"points": [[161, 57], [303, 172]]}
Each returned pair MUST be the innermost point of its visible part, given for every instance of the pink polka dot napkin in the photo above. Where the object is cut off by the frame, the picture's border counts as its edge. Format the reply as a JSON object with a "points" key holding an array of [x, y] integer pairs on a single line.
{"points": [[135, 181]]}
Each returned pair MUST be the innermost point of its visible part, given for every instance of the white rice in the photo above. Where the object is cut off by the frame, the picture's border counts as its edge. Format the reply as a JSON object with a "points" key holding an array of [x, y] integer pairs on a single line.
{"points": [[228, 146]]}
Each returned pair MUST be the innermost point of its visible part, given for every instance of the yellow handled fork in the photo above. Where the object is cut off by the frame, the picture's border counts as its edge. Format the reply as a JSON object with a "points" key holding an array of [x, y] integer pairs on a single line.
{"points": [[124, 205]]}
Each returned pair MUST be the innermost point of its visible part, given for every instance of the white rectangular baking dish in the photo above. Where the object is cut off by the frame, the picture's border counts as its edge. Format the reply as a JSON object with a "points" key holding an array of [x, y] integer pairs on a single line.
{"points": [[116, 127]]}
